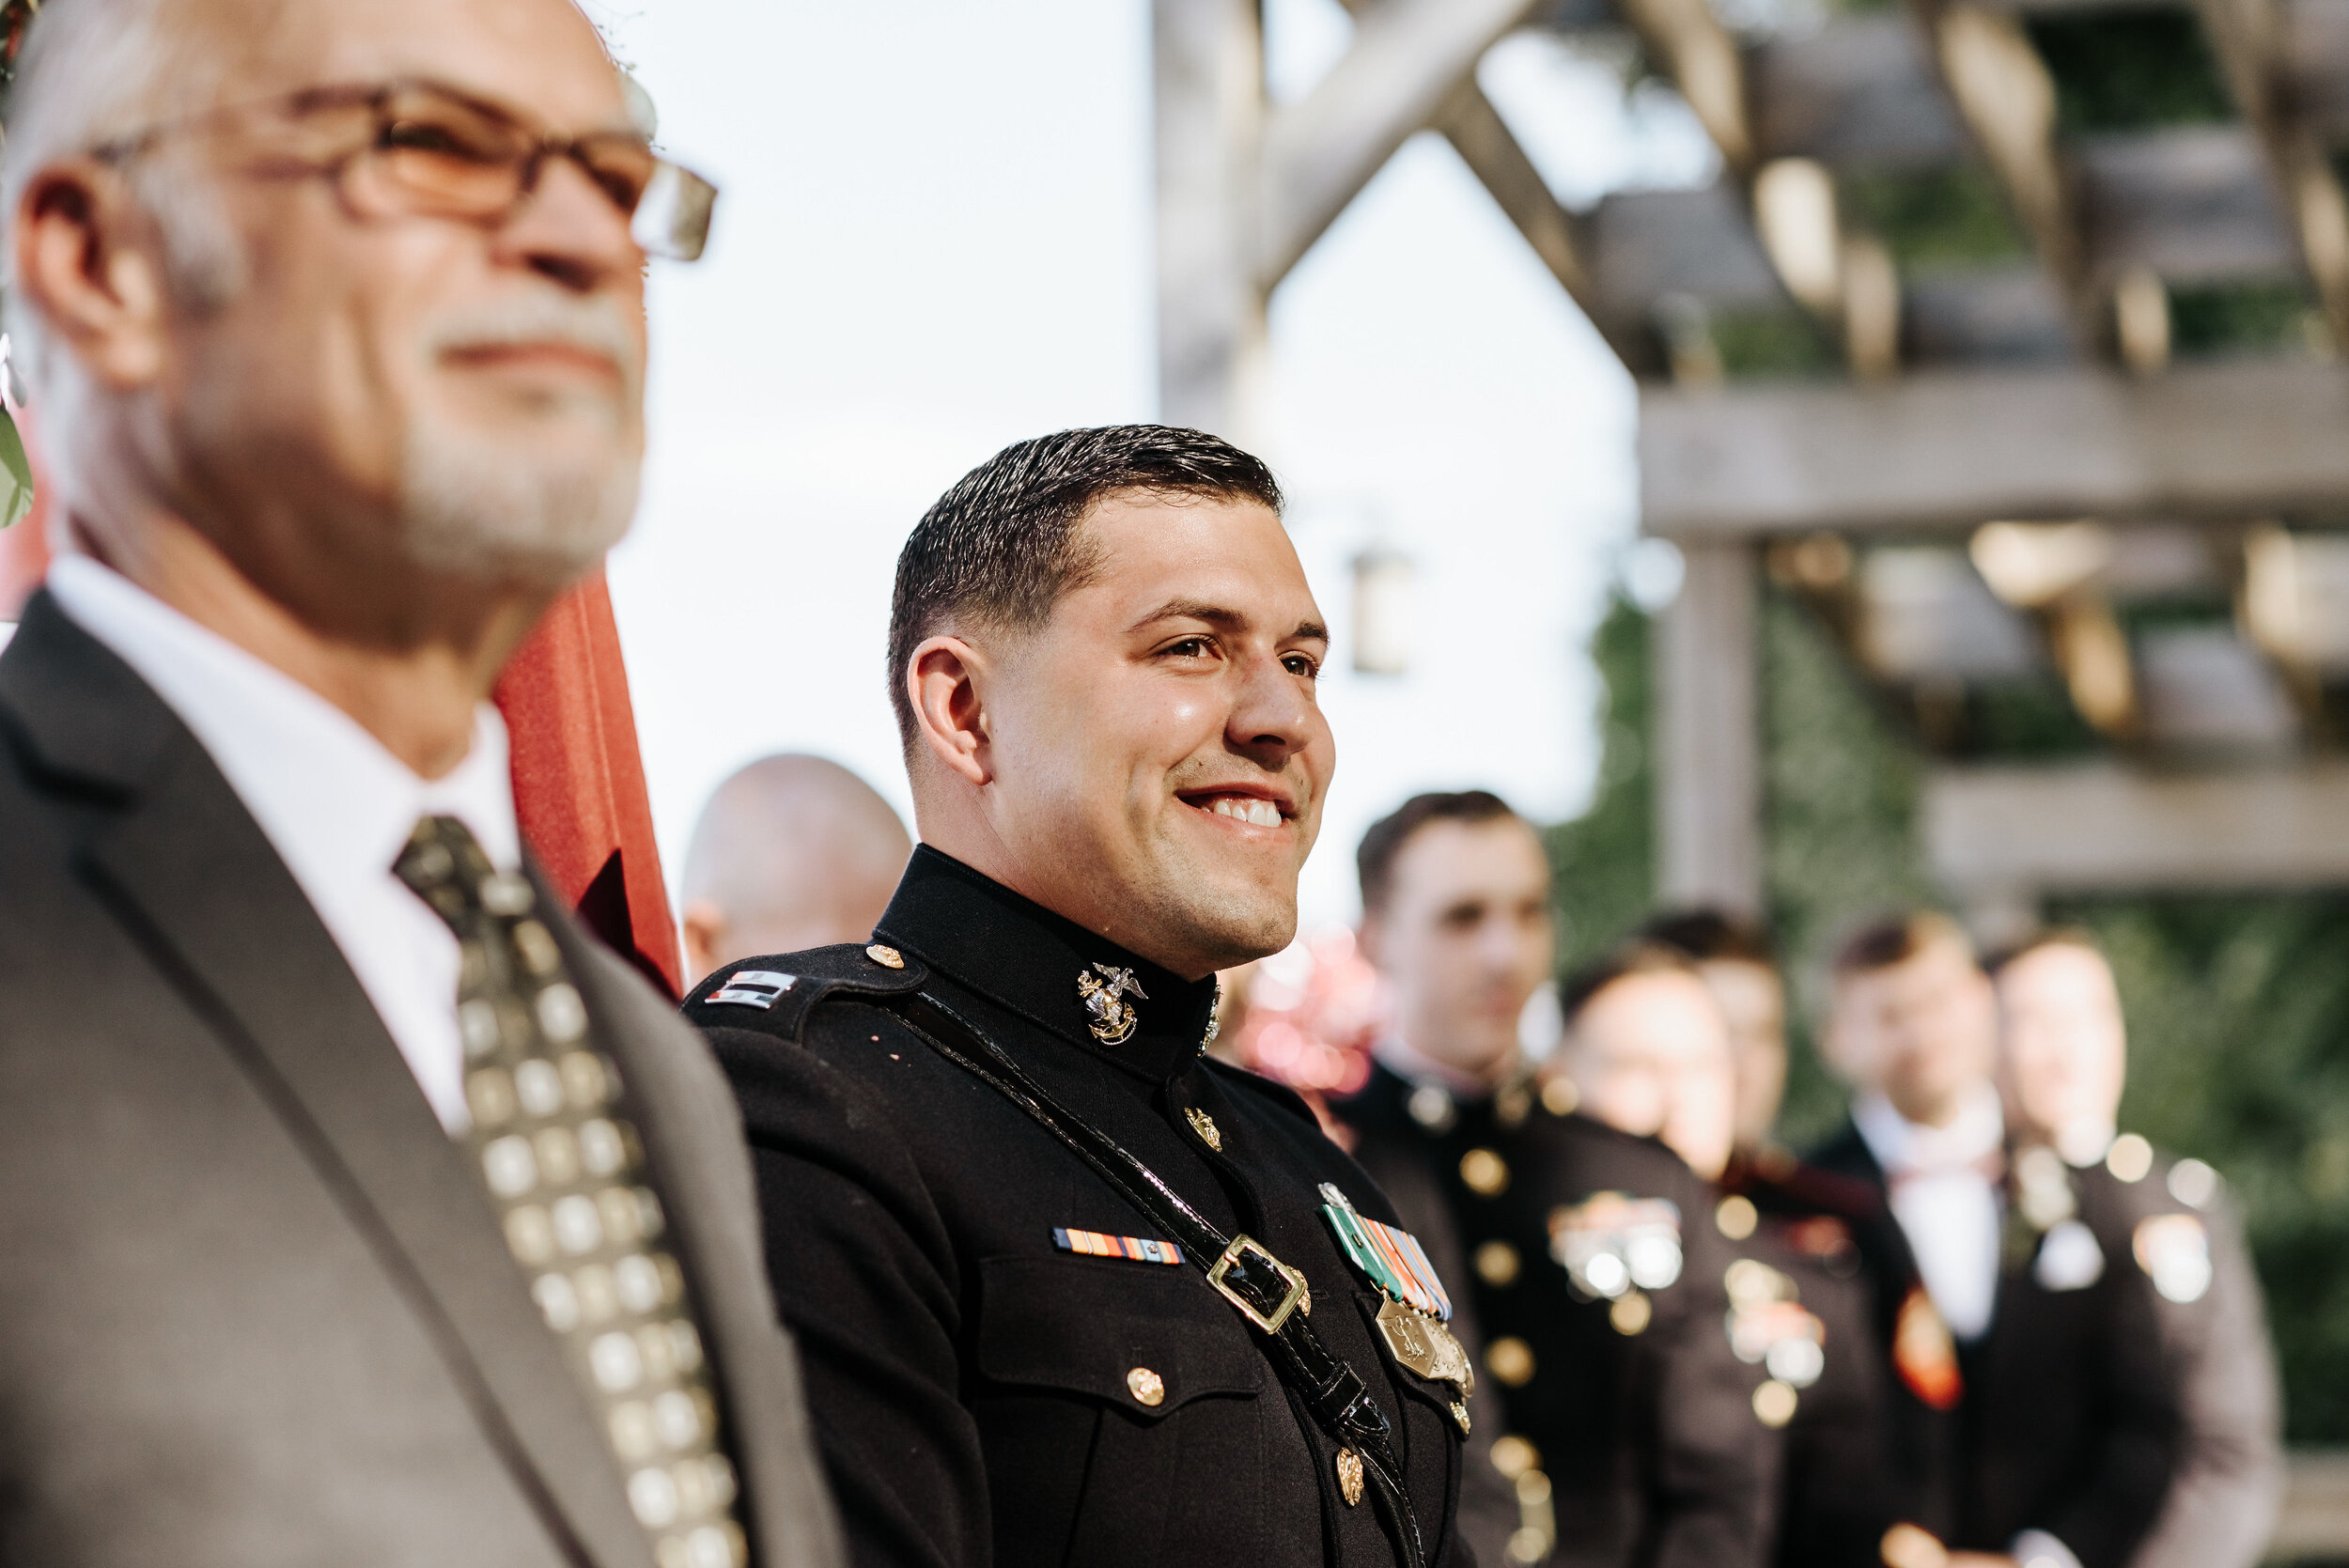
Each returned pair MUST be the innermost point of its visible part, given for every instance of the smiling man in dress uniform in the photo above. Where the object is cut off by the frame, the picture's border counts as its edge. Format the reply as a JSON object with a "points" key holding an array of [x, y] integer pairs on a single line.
{"points": [[2063, 1056], [1070, 1292], [1599, 1294]]}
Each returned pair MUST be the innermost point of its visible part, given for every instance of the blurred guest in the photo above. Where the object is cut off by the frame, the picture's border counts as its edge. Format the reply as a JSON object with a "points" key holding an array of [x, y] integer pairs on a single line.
{"points": [[1739, 962], [1799, 1305], [331, 1236], [2064, 1057], [2027, 1420], [791, 852], [1628, 1423]]}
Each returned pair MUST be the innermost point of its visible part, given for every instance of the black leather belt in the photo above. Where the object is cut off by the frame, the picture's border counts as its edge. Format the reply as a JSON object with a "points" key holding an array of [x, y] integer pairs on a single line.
{"points": [[1266, 1292]]}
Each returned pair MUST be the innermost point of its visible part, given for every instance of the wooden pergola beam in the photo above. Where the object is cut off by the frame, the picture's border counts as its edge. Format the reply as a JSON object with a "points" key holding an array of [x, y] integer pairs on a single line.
{"points": [[2249, 38], [1407, 59], [1948, 450]]}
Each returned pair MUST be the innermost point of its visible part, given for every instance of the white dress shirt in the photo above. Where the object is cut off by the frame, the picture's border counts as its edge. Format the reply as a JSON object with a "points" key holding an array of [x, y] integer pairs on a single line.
{"points": [[1949, 1206], [335, 805]]}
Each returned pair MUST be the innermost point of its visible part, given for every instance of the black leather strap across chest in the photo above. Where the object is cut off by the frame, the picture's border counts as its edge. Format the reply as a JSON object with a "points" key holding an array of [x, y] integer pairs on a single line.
{"points": [[1242, 1271]]}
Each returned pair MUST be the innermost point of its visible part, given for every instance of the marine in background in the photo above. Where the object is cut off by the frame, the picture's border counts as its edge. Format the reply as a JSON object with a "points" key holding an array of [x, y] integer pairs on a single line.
{"points": [[791, 852], [1800, 1302], [2064, 1059], [2027, 1417], [1598, 1278]]}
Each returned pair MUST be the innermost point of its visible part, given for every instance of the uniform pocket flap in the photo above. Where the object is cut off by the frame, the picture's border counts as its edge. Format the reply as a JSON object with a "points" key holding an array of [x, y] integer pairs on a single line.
{"points": [[1145, 1337]]}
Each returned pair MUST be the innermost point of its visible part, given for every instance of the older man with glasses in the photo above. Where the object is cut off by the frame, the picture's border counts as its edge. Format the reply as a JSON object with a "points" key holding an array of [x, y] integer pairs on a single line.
{"points": [[359, 1209]]}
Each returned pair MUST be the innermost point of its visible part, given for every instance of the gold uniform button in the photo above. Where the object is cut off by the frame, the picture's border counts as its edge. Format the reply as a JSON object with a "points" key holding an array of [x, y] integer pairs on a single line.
{"points": [[1774, 1402], [1511, 1362], [1147, 1386], [1203, 1124], [1559, 1097], [1513, 1456], [2130, 1158], [887, 957], [1736, 1217], [1486, 1172], [1631, 1313], [1497, 1264]]}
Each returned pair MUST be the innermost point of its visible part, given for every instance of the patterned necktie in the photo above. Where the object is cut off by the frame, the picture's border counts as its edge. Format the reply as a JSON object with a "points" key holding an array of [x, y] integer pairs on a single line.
{"points": [[566, 1174]]}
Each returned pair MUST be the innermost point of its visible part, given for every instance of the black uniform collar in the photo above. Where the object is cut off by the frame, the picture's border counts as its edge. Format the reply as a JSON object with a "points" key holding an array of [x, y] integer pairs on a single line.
{"points": [[1016, 952]]}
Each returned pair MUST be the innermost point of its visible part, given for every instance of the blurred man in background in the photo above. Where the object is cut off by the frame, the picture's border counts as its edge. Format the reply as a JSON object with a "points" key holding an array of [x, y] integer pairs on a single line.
{"points": [[2027, 1415], [332, 1239], [2064, 1058], [791, 852], [1625, 1413], [1801, 1305]]}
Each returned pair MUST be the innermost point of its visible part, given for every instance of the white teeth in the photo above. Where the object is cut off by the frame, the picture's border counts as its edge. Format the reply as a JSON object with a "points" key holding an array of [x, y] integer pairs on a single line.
{"points": [[1264, 814]]}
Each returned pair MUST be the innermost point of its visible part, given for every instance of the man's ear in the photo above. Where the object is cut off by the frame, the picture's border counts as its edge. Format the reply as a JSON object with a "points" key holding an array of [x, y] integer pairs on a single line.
{"points": [[85, 261], [705, 928], [943, 680]]}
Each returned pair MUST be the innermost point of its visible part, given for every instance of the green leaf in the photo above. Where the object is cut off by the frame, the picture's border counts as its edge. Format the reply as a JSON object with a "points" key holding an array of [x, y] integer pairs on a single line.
{"points": [[16, 474]]}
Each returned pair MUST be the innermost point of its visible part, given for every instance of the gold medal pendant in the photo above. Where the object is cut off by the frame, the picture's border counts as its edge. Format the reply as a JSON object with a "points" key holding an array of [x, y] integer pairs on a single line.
{"points": [[1422, 1344]]}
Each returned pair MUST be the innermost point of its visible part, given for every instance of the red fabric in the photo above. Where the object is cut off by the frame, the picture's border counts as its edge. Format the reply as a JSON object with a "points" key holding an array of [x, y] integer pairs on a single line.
{"points": [[24, 549], [579, 781]]}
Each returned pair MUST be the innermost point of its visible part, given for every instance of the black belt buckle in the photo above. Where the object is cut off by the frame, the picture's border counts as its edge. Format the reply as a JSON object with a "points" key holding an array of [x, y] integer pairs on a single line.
{"points": [[1265, 1289]]}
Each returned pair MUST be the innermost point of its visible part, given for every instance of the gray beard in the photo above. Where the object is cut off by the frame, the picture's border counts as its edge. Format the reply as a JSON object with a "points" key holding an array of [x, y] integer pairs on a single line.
{"points": [[473, 513]]}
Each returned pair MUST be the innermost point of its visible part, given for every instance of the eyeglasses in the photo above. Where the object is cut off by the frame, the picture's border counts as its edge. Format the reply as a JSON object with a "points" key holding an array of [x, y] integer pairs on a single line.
{"points": [[415, 148]]}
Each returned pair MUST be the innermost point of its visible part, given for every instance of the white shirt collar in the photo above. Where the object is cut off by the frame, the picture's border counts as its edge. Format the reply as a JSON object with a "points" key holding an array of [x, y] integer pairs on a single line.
{"points": [[1414, 1066], [1900, 1144], [334, 803]]}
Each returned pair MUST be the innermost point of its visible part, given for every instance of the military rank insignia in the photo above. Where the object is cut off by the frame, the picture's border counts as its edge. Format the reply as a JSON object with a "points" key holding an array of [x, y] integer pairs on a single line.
{"points": [[2173, 1249], [1098, 1244], [1412, 1320], [1925, 1354], [1610, 1242], [759, 988]]}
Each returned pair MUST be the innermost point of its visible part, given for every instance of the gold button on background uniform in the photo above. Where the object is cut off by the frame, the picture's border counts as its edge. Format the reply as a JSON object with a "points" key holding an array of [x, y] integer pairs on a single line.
{"points": [[1736, 1217], [1631, 1313], [1497, 1263], [1486, 1172], [1147, 1386], [1510, 1361], [1559, 1097]]}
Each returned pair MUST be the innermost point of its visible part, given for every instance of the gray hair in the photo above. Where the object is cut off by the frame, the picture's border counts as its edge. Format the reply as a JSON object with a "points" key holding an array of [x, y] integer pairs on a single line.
{"points": [[90, 71]]}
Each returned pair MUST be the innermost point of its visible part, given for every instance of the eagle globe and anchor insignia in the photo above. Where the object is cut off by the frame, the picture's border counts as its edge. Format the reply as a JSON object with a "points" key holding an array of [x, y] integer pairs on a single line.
{"points": [[1102, 988]]}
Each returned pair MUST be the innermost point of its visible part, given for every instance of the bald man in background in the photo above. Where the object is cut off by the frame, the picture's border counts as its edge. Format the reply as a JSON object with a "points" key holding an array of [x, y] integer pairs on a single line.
{"points": [[792, 852]]}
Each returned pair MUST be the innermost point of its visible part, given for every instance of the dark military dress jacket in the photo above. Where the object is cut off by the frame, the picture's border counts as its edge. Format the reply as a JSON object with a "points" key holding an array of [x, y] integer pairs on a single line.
{"points": [[1806, 1312], [1600, 1292], [2187, 1238], [1007, 1362], [2063, 1416]]}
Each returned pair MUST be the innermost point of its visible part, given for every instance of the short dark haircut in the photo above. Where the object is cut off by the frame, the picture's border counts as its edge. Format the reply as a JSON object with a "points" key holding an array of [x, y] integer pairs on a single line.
{"points": [[1714, 937], [1894, 940], [2054, 936], [1001, 545], [1634, 957], [1373, 860]]}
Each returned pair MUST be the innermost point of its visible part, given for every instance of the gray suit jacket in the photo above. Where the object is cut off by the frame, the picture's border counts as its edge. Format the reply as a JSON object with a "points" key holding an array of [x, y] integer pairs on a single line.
{"points": [[254, 1308]]}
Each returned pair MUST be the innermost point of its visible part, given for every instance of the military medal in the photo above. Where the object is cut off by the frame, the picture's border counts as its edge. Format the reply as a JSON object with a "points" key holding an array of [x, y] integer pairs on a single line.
{"points": [[1102, 990], [1411, 1320]]}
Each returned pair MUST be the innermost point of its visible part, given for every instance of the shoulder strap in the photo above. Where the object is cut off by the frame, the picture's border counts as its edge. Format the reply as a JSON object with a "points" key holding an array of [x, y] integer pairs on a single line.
{"points": [[1269, 1294], [779, 995]]}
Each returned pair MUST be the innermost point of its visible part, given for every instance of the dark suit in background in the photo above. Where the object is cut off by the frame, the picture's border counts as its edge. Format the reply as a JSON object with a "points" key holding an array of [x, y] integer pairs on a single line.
{"points": [[260, 1309], [2062, 1420]]}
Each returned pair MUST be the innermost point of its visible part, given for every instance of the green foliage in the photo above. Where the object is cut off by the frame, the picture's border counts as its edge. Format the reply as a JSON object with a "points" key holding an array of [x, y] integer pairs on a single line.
{"points": [[1772, 341], [16, 474], [1945, 217], [2223, 318], [1605, 859], [2129, 68], [1839, 824]]}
